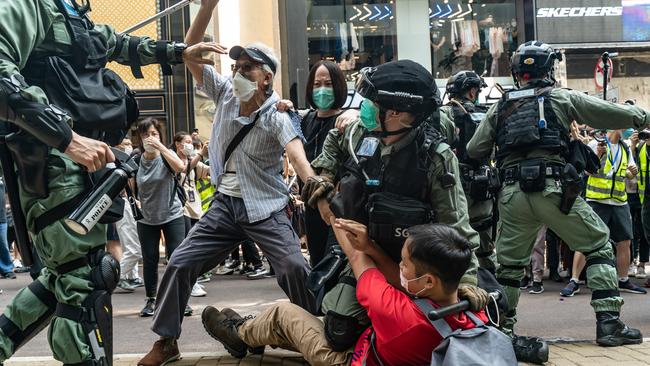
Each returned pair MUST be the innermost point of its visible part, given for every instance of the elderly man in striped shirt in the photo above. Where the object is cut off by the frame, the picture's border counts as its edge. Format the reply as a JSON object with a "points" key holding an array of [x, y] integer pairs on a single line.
{"points": [[251, 195]]}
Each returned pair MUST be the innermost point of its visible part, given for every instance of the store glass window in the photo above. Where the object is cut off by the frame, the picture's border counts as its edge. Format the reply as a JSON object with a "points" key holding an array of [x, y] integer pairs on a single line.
{"points": [[352, 33], [475, 35]]}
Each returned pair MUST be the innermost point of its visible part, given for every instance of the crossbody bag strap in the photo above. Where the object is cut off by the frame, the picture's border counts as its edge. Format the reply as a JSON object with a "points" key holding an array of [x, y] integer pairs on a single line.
{"points": [[440, 325], [176, 183], [239, 137]]}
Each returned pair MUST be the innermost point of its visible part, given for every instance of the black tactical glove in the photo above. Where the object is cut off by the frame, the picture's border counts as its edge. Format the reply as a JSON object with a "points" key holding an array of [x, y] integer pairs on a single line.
{"points": [[317, 187], [477, 297]]}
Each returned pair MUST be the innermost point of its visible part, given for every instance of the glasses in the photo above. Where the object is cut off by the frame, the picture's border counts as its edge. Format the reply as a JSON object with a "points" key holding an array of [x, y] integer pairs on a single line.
{"points": [[244, 68]]}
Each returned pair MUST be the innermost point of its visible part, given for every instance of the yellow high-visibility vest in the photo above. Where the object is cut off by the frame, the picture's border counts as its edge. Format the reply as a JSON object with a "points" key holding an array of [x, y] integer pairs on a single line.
{"points": [[643, 171], [600, 186], [206, 192]]}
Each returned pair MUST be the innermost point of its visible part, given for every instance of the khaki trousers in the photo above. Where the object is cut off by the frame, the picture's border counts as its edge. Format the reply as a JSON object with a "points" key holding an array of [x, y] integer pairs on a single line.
{"points": [[290, 327]]}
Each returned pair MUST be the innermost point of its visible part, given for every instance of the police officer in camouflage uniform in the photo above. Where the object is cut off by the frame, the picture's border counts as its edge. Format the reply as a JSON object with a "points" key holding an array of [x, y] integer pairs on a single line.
{"points": [[463, 90], [395, 171], [530, 128], [50, 52]]}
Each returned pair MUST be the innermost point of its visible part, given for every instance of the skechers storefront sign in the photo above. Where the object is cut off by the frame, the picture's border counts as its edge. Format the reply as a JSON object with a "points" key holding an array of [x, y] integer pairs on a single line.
{"points": [[592, 21], [605, 11]]}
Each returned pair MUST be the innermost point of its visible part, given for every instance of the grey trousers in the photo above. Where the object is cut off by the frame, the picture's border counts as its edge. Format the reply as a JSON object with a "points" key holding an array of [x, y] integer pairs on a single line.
{"points": [[211, 240]]}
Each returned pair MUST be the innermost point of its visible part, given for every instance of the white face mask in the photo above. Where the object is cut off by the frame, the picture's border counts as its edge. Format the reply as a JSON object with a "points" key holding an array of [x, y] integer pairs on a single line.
{"points": [[128, 150], [405, 283], [149, 148], [188, 149], [243, 88]]}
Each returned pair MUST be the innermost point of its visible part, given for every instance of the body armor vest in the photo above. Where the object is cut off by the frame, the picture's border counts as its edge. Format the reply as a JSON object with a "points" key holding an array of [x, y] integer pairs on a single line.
{"points": [[477, 175], [389, 196], [521, 128], [467, 121], [405, 174], [99, 102]]}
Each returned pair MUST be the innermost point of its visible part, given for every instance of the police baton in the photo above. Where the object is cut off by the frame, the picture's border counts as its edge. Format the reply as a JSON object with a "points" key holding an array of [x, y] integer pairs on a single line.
{"points": [[172, 9], [456, 308]]}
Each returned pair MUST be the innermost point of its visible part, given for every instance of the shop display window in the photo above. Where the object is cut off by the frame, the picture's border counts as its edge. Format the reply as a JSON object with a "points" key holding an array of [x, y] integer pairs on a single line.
{"points": [[352, 33], [472, 35]]}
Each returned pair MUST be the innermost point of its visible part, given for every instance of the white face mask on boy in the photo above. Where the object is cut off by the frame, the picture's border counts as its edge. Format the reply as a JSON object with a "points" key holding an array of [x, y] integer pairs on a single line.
{"points": [[405, 283]]}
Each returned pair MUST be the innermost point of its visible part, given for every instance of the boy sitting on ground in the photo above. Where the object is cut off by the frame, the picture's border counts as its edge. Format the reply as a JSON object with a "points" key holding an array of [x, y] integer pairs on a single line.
{"points": [[434, 258]]}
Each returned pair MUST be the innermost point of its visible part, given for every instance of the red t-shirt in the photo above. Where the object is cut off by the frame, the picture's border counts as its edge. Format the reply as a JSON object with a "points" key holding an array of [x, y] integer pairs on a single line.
{"points": [[403, 335]]}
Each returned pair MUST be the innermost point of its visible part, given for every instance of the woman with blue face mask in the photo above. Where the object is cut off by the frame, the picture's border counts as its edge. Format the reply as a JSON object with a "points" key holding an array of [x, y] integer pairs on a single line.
{"points": [[326, 93]]}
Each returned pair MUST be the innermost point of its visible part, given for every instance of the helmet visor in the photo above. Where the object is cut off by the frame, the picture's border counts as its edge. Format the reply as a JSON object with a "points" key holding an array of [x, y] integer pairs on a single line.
{"points": [[364, 85]]}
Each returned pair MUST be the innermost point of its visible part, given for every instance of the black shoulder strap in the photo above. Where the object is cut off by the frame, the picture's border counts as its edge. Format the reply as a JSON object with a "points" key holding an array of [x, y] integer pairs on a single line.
{"points": [[134, 57], [431, 137], [545, 91], [175, 177], [161, 56], [169, 167], [441, 326], [239, 137], [187, 172]]}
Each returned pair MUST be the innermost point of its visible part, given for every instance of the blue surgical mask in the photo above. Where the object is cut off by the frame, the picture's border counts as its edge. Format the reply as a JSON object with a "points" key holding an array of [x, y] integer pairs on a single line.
{"points": [[368, 114], [627, 133]]}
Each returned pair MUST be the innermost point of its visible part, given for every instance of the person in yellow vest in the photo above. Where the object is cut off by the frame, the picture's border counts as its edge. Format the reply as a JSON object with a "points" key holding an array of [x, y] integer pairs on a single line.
{"points": [[605, 193], [642, 181], [205, 188]]}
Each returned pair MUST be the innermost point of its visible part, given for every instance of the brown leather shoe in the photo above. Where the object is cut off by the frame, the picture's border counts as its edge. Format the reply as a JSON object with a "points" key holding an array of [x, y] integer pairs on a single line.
{"points": [[164, 351]]}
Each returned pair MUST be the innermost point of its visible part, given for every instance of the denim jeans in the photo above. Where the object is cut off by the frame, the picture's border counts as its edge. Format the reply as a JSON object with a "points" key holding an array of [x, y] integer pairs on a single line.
{"points": [[6, 264]]}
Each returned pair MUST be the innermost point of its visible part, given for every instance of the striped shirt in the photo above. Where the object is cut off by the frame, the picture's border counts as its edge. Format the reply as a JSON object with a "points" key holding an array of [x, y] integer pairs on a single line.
{"points": [[258, 158]]}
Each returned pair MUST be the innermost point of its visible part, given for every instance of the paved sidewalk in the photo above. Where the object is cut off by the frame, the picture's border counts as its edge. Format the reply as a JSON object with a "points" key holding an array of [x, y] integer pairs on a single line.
{"points": [[562, 354]]}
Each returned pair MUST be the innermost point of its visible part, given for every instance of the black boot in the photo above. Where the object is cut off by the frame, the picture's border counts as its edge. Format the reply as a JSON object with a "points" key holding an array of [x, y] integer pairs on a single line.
{"points": [[612, 332], [530, 349]]}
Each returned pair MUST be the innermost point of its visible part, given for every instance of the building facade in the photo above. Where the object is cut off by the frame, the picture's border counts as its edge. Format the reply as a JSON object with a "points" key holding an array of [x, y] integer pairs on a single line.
{"points": [[443, 35]]}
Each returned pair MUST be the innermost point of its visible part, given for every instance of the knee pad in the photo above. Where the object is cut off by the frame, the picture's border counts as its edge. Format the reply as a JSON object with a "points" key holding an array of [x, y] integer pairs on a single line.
{"points": [[20, 337], [341, 331], [96, 319], [105, 272]]}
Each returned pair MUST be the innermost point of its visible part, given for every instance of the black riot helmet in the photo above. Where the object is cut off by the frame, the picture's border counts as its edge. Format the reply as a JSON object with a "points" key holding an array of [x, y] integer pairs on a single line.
{"points": [[459, 83], [403, 86], [534, 60]]}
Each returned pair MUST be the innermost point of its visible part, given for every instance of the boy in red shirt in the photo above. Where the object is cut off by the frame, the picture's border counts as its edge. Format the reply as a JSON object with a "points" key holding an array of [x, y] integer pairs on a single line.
{"points": [[434, 258]]}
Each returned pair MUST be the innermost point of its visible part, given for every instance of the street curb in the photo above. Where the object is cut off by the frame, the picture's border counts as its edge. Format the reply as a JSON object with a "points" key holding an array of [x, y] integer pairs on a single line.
{"points": [[127, 358], [132, 358]]}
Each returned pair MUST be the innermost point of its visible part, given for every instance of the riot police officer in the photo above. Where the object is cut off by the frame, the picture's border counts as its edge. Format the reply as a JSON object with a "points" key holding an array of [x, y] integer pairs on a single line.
{"points": [[62, 109], [396, 172], [479, 179], [530, 127]]}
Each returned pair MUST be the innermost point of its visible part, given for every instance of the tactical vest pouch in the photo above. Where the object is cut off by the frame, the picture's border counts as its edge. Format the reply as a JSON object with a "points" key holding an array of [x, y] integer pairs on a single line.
{"points": [[390, 216], [480, 184], [532, 175], [519, 136], [100, 103], [348, 203]]}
